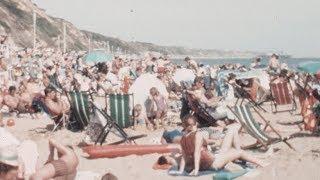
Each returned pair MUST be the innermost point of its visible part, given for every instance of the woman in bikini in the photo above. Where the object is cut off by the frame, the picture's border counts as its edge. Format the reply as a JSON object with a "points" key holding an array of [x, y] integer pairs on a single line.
{"points": [[196, 156]]}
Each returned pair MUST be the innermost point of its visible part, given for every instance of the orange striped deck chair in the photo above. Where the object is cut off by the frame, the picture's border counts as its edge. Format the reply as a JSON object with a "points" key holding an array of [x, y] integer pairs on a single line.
{"points": [[282, 94]]}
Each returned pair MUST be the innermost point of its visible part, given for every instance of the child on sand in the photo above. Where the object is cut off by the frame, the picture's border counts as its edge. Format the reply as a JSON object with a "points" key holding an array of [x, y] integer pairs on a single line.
{"points": [[140, 118], [160, 105]]}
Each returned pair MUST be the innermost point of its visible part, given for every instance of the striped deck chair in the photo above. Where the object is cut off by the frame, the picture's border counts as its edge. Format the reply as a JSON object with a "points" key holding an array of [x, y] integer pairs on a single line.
{"points": [[282, 94], [119, 109], [111, 124], [244, 115], [80, 114]]}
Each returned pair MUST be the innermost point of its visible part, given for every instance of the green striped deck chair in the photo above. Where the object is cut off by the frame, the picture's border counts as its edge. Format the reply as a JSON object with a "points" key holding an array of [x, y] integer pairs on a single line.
{"points": [[119, 107], [79, 102], [245, 117]]}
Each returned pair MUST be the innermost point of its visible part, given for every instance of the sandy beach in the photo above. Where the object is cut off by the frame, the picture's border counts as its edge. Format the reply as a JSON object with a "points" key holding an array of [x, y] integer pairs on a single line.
{"points": [[284, 162]]}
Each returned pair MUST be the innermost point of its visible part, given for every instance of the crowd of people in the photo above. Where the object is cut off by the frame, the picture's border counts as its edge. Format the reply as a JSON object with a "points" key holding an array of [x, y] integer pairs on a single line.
{"points": [[33, 82]]}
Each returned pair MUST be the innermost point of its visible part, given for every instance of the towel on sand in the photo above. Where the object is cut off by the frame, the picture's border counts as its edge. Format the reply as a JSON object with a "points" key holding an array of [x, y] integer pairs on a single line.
{"points": [[221, 174]]}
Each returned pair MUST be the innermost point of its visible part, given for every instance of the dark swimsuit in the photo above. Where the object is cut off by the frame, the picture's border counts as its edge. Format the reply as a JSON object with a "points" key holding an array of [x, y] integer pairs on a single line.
{"points": [[188, 146], [170, 135]]}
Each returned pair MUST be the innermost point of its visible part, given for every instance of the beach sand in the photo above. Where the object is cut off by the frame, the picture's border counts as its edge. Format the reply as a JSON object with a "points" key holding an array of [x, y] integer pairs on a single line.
{"points": [[284, 162]]}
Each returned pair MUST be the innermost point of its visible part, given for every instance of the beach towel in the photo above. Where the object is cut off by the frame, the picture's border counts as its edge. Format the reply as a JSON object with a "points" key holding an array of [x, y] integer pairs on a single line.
{"points": [[217, 175]]}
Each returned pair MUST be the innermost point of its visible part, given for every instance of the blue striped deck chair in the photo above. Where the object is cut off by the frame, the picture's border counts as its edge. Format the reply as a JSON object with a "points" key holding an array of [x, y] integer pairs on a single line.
{"points": [[245, 117]]}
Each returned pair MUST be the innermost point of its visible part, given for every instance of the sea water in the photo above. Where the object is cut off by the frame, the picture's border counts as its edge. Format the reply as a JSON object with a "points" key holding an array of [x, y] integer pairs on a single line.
{"points": [[291, 62]]}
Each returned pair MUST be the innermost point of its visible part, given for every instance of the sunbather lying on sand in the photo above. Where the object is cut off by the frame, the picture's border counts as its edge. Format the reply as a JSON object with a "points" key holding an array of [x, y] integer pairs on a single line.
{"points": [[196, 156], [64, 168]]}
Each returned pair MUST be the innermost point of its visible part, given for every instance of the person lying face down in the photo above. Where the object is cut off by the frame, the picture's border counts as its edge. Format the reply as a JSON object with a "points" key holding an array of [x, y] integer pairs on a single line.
{"points": [[64, 168]]}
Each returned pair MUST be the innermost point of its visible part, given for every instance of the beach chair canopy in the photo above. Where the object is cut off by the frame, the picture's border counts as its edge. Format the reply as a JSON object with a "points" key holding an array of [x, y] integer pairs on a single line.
{"points": [[98, 56], [309, 67]]}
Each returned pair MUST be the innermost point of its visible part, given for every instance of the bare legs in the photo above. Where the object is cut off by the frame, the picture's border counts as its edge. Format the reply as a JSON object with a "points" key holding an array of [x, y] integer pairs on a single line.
{"points": [[232, 139], [231, 150]]}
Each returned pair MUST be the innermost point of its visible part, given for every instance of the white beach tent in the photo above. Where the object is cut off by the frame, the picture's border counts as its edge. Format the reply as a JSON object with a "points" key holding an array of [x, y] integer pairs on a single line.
{"points": [[142, 85]]}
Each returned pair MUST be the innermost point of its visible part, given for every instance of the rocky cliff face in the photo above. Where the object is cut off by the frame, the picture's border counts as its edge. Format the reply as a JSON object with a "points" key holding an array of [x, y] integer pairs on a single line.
{"points": [[16, 21]]}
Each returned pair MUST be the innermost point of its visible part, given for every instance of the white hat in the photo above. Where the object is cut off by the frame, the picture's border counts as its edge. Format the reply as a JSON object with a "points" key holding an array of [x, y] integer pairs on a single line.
{"points": [[9, 155]]}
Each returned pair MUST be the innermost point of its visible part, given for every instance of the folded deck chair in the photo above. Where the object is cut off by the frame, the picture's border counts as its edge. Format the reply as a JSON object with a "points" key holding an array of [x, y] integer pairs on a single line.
{"points": [[243, 95], [203, 116], [80, 113], [244, 115], [282, 94]]}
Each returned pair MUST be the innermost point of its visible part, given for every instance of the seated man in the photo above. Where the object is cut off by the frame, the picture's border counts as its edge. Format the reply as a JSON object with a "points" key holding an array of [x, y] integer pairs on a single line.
{"points": [[12, 99], [64, 168], [54, 105]]}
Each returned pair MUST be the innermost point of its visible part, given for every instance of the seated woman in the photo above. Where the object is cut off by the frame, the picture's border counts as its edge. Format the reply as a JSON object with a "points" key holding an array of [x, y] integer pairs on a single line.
{"points": [[64, 168], [196, 156], [214, 105]]}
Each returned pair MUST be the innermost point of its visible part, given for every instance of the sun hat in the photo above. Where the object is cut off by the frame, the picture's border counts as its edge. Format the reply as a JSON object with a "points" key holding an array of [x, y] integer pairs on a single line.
{"points": [[9, 156]]}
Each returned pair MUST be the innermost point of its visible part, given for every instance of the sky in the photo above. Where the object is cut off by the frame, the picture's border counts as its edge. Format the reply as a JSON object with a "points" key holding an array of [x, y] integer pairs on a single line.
{"points": [[291, 26]]}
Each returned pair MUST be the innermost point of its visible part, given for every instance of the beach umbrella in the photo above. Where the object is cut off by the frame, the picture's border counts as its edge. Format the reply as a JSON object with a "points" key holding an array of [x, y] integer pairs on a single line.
{"points": [[98, 56], [183, 75], [142, 85], [310, 66]]}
